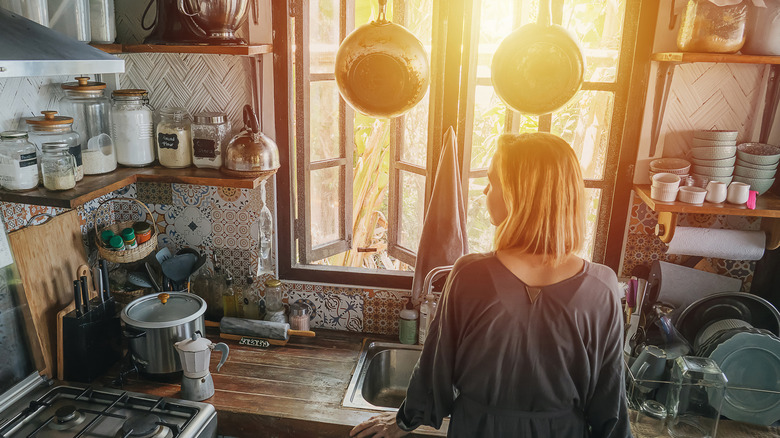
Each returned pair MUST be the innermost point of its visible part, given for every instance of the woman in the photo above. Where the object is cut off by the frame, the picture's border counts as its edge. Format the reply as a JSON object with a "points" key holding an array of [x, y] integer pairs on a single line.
{"points": [[527, 340]]}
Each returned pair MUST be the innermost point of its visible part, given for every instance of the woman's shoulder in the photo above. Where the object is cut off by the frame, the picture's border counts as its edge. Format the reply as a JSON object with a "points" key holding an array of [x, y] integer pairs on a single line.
{"points": [[472, 262], [602, 274]]}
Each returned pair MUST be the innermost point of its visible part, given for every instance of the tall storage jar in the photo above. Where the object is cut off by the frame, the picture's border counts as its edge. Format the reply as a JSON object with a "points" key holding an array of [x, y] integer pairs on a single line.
{"points": [[132, 127], [92, 121], [762, 35], [102, 22], [209, 137], [54, 128], [18, 161], [58, 167], [35, 10], [708, 27], [174, 138], [71, 17]]}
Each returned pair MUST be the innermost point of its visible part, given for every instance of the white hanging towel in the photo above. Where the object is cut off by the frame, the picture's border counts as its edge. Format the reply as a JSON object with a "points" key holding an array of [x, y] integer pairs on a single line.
{"points": [[444, 237]]}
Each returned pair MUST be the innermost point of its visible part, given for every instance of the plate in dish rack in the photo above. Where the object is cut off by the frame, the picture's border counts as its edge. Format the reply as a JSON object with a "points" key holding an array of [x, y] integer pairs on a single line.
{"points": [[750, 360]]}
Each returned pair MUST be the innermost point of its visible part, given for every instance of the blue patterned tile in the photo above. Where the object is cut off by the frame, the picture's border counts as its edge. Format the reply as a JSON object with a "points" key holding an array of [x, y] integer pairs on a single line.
{"points": [[154, 193], [191, 227], [229, 198], [190, 194]]}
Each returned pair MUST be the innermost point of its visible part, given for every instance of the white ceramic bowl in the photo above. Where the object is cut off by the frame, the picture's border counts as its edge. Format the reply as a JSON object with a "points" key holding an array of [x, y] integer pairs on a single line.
{"points": [[754, 173], [666, 181], [715, 134], [713, 171], [677, 166], [663, 194], [691, 195], [725, 162], [758, 153], [717, 153], [699, 143]]}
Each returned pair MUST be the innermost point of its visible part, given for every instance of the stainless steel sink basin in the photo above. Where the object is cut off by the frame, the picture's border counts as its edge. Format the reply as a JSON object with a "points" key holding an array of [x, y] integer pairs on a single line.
{"points": [[381, 375]]}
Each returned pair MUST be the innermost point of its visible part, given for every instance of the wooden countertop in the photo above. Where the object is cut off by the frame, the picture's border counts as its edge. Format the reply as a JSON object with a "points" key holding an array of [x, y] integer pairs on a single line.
{"points": [[290, 391]]}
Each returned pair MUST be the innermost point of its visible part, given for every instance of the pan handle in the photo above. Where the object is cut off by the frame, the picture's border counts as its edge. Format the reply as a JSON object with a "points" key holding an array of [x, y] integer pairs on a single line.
{"points": [[545, 16], [382, 15]]}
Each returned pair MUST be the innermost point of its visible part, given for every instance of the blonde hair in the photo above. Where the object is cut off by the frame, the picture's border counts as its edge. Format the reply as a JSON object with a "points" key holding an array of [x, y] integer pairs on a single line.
{"points": [[544, 195]]}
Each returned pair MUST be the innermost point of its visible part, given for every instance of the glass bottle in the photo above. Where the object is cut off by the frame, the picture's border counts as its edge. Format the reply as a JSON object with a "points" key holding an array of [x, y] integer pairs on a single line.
{"points": [[132, 127], [71, 17], [229, 301], [92, 121], [52, 128], [427, 310], [102, 22], [58, 166], [201, 285], [174, 138], [299, 317], [266, 228], [274, 307], [217, 285], [209, 138], [18, 161], [250, 301]]}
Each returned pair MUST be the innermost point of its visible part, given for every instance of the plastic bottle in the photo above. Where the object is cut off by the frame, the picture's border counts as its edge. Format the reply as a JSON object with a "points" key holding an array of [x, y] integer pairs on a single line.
{"points": [[229, 304], [427, 310], [407, 324]]}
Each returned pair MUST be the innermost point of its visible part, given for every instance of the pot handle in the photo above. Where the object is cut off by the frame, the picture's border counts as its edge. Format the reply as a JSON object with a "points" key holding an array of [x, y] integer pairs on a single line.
{"points": [[183, 8], [222, 348], [382, 15], [133, 333], [545, 14], [250, 120]]}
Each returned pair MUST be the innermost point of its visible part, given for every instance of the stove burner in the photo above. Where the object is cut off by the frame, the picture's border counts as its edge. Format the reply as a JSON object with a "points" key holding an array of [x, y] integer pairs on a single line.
{"points": [[144, 426], [66, 417]]}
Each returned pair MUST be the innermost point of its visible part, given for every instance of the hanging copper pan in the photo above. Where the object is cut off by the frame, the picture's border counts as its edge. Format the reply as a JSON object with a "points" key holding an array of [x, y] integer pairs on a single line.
{"points": [[539, 67], [382, 68]]}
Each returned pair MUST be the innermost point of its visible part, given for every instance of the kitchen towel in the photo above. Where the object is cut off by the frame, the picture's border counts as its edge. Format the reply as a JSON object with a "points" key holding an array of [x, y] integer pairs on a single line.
{"points": [[443, 237], [722, 244]]}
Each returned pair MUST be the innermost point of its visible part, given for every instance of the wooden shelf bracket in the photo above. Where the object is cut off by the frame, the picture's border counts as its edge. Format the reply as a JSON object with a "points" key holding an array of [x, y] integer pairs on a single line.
{"points": [[771, 225], [664, 229]]}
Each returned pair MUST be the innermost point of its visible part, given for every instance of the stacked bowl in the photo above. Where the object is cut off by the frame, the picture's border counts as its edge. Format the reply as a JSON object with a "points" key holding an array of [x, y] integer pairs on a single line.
{"points": [[677, 166], [714, 154], [756, 165], [664, 187]]}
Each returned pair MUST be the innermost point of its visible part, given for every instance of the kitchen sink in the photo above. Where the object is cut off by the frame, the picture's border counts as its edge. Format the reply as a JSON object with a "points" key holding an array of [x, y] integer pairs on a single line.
{"points": [[381, 375]]}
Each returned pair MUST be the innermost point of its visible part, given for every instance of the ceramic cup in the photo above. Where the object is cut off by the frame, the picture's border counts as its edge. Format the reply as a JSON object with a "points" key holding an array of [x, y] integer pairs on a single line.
{"points": [[716, 192], [738, 193], [648, 368]]}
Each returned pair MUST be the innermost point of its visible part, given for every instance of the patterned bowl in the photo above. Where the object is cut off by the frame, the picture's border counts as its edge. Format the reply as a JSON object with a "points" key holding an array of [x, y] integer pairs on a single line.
{"points": [[758, 153], [714, 153]]}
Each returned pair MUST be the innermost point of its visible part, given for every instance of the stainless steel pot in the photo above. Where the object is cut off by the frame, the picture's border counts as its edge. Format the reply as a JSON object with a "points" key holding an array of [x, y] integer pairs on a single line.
{"points": [[153, 323], [219, 19]]}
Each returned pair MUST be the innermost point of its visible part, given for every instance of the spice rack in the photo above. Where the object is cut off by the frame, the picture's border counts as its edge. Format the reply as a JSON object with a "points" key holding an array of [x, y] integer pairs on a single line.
{"points": [[767, 207], [92, 187]]}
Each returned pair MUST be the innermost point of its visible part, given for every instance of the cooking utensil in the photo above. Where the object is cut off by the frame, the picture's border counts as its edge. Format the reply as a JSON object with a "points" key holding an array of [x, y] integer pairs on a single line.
{"points": [[538, 67], [218, 19], [382, 68], [166, 318], [195, 355], [251, 153], [178, 268], [152, 276], [260, 329], [139, 279]]}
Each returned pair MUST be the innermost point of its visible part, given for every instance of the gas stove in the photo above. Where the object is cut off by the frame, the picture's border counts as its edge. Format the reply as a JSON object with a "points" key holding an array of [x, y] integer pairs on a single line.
{"points": [[50, 411]]}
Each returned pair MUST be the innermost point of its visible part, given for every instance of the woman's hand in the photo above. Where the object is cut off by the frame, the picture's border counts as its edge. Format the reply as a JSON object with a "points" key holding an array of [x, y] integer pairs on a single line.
{"points": [[380, 426]]}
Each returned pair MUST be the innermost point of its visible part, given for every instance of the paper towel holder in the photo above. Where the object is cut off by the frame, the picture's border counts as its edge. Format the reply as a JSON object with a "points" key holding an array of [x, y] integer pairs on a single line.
{"points": [[667, 223]]}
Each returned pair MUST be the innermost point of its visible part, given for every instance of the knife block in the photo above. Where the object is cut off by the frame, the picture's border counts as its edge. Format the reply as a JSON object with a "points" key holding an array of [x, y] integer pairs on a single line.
{"points": [[91, 342]]}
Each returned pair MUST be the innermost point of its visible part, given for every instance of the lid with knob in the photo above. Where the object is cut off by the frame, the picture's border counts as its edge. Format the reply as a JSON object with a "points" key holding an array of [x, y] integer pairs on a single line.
{"points": [[84, 84], [50, 118]]}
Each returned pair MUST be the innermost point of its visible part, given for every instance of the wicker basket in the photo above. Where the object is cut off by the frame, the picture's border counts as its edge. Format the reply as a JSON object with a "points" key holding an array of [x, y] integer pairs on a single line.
{"points": [[127, 255]]}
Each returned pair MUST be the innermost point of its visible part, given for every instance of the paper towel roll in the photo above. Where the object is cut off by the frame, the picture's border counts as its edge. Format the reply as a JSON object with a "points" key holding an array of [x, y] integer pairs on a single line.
{"points": [[722, 244]]}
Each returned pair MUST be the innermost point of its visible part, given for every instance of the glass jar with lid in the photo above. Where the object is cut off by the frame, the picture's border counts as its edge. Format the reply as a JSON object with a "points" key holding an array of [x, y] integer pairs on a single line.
{"points": [[132, 127], [92, 121], [174, 138], [18, 161], [53, 128], [709, 27], [209, 138], [299, 317], [58, 166]]}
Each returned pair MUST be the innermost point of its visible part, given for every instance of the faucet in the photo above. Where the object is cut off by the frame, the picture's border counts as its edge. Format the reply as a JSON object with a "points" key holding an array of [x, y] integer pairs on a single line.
{"points": [[432, 275]]}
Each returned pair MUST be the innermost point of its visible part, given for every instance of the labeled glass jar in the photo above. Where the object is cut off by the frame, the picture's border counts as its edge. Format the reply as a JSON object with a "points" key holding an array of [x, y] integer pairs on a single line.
{"points": [[132, 127], [209, 137], [52, 128], [58, 166], [707, 27], [174, 138], [143, 232], [299, 317], [92, 121], [18, 161]]}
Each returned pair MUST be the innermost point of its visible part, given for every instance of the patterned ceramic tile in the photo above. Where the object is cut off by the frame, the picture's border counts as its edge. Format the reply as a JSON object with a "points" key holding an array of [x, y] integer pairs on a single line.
{"points": [[643, 219], [17, 215], [380, 314], [231, 229], [229, 198], [154, 193], [330, 310], [642, 249], [189, 194], [238, 261], [191, 227]]}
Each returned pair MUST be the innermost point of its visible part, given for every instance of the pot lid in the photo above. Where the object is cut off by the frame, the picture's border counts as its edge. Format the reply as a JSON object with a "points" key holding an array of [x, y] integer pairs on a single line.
{"points": [[194, 344], [163, 310], [50, 118], [84, 84]]}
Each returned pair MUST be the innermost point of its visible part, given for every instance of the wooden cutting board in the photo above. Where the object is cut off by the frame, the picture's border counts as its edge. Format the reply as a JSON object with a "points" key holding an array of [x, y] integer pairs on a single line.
{"points": [[48, 256]]}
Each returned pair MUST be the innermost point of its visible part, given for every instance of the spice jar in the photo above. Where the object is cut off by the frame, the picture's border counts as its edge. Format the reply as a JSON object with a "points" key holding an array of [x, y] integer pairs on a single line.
{"points": [[708, 27], [143, 232], [92, 121], [128, 236], [273, 295], [299, 317], [174, 138], [132, 127], [58, 166], [52, 128], [209, 138], [18, 161]]}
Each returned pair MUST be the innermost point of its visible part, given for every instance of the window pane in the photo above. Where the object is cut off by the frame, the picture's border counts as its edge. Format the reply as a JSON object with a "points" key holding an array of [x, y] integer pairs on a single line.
{"points": [[325, 205], [414, 148], [591, 222], [479, 228], [584, 123], [323, 35], [412, 198], [324, 131], [598, 25]]}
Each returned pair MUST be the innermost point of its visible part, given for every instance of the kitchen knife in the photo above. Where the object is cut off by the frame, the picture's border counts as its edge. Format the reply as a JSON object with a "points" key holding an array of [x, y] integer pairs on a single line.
{"points": [[104, 273], [85, 288], [77, 298], [97, 278]]}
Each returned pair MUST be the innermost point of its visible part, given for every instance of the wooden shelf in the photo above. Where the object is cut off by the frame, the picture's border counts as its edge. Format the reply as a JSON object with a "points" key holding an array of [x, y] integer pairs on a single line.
{"points": [[767, 205], [246, 50], [683, 57], [95, 186]]}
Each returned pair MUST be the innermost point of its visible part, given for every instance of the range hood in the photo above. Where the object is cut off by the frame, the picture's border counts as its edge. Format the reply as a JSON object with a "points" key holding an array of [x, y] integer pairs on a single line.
{"points": [[29, 49]]}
